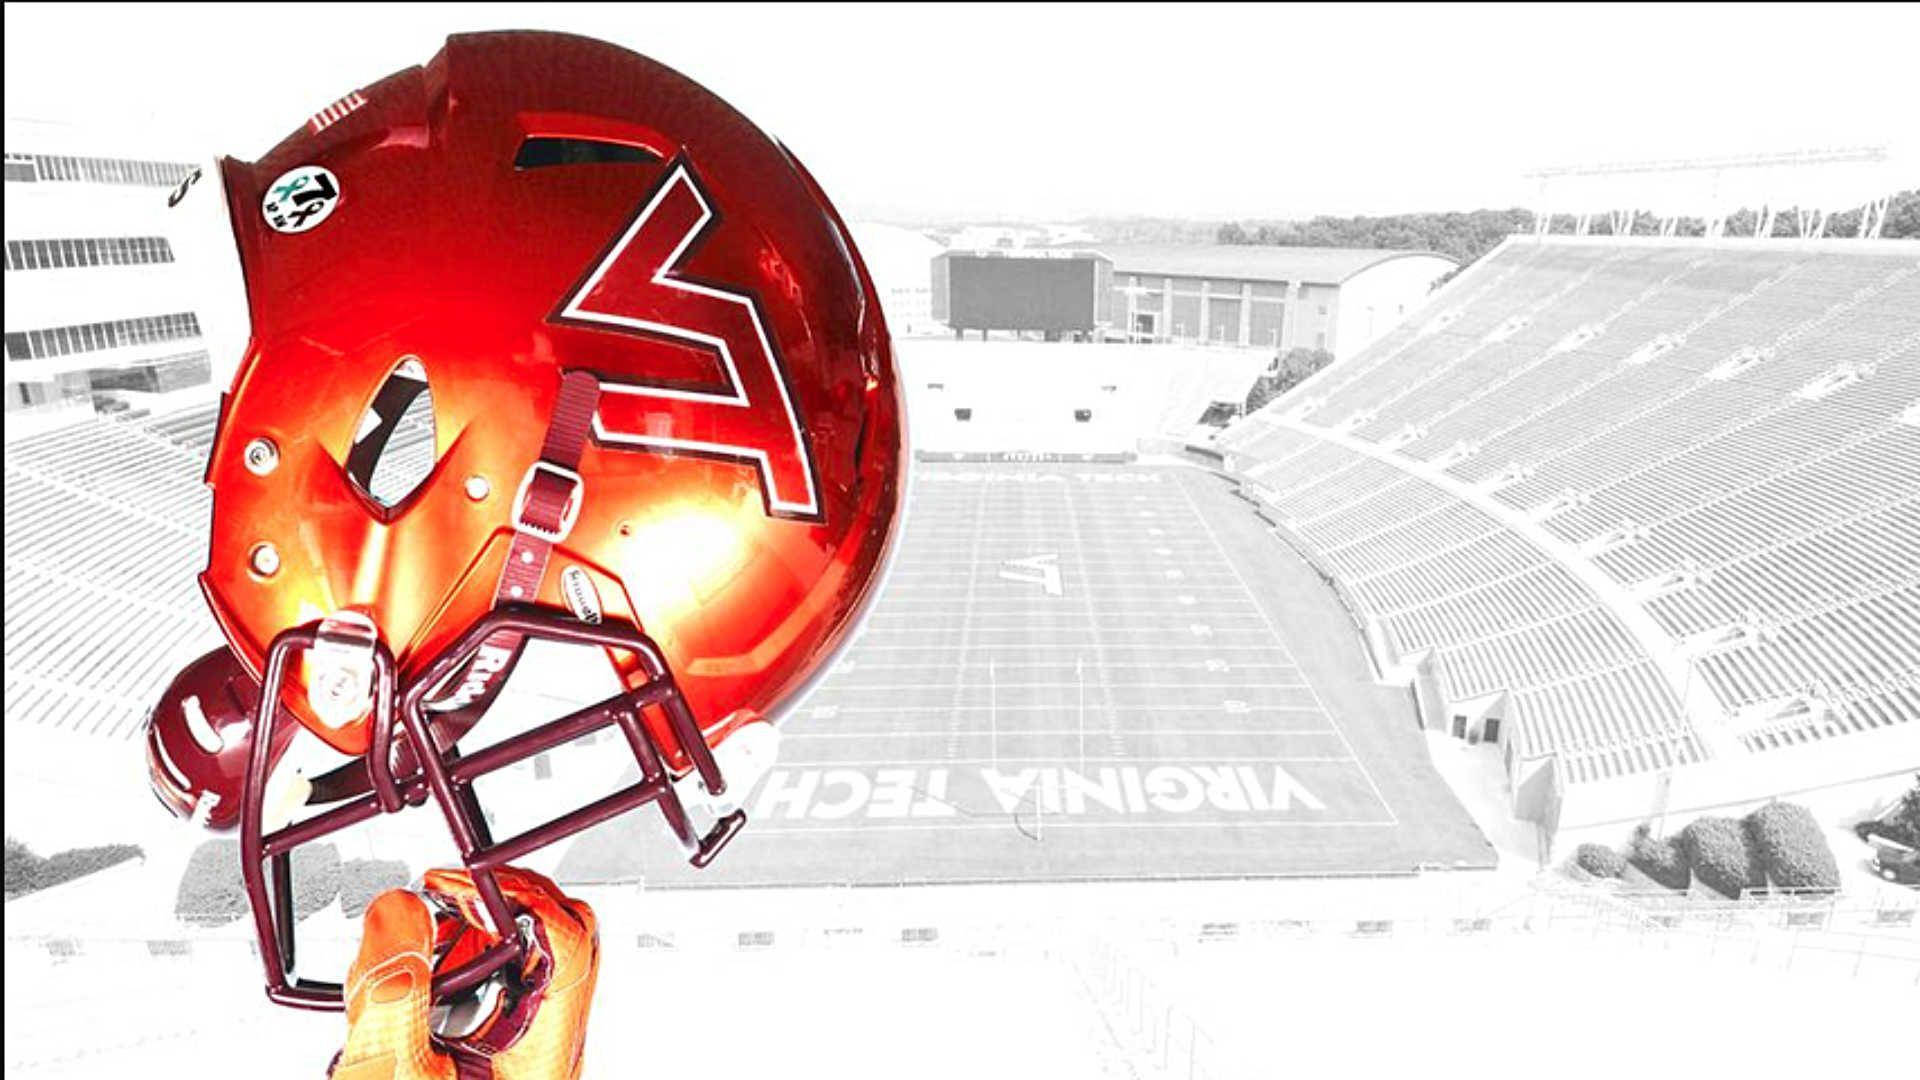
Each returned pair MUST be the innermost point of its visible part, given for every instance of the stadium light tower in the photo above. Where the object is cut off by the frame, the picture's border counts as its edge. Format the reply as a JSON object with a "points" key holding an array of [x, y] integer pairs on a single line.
{"points": [[1813, 183]]}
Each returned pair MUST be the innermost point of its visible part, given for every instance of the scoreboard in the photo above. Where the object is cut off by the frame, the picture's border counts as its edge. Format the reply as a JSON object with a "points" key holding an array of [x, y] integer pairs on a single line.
{"points": [[1054, 292]]}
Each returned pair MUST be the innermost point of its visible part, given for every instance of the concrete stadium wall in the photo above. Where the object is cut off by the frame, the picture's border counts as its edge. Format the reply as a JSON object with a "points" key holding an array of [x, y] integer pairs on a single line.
{"points": [[1729, 782], [1023, 395]]}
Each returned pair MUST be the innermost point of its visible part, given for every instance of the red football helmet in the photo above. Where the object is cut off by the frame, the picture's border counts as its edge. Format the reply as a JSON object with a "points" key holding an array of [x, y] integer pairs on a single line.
{"points": [[665, 424]]}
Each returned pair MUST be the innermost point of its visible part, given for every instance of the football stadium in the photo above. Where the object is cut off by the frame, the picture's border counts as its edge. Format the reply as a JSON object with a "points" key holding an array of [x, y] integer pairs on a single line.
{"points": [[1548, 659]]}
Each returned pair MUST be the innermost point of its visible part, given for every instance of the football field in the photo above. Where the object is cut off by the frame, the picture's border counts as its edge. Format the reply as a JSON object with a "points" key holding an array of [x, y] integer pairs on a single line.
{"points": [[1085, 672]]}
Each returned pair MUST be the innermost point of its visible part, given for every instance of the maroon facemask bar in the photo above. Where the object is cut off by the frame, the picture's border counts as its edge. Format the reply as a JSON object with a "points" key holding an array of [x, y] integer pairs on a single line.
{"points": [[445, 774]]}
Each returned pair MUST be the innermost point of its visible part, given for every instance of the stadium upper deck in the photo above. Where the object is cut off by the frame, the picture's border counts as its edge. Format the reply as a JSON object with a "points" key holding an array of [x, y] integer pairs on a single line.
{"points": [[1650, 500]]}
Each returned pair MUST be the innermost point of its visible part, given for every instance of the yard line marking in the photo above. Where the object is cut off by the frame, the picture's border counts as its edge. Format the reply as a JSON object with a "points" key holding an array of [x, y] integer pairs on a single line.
{"points": [[966, 623], [1281, 641], [1116, 747]]}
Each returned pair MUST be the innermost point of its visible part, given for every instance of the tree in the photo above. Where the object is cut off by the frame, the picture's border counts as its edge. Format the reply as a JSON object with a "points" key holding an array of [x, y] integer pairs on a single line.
{"points": [[1903, 824], [1289, 371], [24, 869], [1464, 235], [1903, 216]]}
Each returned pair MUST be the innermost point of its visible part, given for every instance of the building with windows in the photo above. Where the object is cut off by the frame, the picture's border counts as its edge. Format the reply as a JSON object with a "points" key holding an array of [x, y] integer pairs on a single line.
{"points": [[1272, 298], [99, 314], [897, 260], [1337, 299]]}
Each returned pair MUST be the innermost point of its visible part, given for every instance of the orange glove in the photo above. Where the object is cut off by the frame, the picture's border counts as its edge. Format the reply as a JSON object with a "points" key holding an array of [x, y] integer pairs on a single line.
{"points": [[534, 1030]]}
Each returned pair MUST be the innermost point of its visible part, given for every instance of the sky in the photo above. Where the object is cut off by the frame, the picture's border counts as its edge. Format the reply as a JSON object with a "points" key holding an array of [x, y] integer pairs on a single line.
{"points": [[922, 114]]}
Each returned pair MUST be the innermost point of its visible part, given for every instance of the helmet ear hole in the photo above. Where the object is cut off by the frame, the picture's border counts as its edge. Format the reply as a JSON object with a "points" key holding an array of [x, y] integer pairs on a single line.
{"points": [[393, 448], [200, 739], [198, 726]]}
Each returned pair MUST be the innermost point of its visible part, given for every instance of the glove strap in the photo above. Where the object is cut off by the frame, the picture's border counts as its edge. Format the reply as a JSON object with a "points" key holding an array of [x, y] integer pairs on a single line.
{"points": [[473, 1054]]}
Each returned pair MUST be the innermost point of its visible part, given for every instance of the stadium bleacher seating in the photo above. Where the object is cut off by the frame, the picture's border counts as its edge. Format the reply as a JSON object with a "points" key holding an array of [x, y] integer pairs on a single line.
{"points": [[107, 520], [1497, 615], [1722, 431]]}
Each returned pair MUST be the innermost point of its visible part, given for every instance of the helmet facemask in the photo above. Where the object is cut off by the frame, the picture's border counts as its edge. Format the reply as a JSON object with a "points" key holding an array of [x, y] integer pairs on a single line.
{"points": [[397, 777]]}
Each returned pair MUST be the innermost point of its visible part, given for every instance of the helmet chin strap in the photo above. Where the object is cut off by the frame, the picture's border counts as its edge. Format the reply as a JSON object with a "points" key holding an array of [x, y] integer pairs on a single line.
{"points": [[543, 513]]}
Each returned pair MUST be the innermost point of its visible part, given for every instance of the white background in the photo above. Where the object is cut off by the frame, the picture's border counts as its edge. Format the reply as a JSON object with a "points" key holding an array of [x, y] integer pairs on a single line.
{"points": [[925, 113]]}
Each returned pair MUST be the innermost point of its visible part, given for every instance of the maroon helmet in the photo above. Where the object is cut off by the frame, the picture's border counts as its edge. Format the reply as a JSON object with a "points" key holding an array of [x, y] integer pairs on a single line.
{"points": [[200, 736]]}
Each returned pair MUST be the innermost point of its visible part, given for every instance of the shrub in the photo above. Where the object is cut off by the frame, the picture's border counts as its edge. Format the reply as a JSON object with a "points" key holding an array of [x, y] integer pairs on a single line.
{"points": [[1792, 847], [212, 892], [79, 862], [1599, 860], [1904, 823], [363, 879], [316, 878], [28, 872], [1720, 857], [1659, 858]]}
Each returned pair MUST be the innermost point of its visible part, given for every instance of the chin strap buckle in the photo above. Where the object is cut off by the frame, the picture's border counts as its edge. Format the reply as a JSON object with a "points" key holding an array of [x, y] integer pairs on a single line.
{"points": [[555, 493]]}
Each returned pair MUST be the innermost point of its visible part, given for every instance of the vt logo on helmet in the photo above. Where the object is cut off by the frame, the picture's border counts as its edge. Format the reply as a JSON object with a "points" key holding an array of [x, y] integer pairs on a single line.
{"points": [[664, 423]]}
